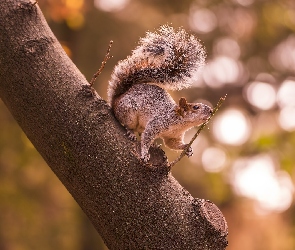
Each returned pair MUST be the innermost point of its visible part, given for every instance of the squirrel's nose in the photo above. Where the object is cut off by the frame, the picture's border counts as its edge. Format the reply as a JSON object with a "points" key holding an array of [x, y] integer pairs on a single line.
{"points": [[209, 110]]}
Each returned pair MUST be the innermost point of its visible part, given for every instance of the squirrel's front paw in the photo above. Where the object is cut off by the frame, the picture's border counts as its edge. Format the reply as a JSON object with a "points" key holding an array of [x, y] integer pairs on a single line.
{"points": [[130, 134], [145, 157], [189, 152]]}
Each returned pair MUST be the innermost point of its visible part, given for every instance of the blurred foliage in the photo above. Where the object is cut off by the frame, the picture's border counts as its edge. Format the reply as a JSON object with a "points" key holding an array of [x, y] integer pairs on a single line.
{"points": [[247, 41]]}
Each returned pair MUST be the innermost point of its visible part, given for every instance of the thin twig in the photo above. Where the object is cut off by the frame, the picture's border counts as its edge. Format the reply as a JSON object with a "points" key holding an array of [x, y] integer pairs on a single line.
{"points": [[218, 105], [35, 3], [107, 57]]}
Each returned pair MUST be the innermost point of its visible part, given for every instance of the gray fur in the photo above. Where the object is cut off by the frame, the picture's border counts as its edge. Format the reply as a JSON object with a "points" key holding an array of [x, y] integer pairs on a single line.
{"points": [[168, 60]]}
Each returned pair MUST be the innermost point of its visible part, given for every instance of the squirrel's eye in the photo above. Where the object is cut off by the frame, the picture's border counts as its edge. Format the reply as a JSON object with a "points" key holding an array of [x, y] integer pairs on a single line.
{"points": [[196, 107]]}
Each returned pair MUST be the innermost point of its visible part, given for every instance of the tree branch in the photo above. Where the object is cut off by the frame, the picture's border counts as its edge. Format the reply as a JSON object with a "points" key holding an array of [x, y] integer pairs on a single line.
{"points": [[132, 205], [106, 58]]}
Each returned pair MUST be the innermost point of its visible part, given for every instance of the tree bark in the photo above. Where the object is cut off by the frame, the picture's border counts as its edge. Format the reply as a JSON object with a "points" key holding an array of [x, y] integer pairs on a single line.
{"points": [[132, 205]]}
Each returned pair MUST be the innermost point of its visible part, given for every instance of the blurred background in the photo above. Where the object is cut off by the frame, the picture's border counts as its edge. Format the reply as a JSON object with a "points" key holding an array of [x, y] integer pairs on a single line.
{"points": [[244, 162]]}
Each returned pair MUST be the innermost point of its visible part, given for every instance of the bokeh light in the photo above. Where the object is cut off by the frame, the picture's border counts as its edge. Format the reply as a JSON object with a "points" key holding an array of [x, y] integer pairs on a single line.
{"points": [[74, 4], [241, 22], [199, 145], [227, 46], [232, 127], [110, 5], [222, 70], [202, 20], [286, 101], [245, 2], [75, 20], [261, 95], [257, 178], [286, 93], [283, 56], [287, 118], [213, 159]]}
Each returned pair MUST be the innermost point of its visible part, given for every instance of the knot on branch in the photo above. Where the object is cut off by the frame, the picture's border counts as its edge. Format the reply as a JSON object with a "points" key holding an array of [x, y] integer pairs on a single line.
{"points": [[36, 46], [214, 220], [27, 5], [212, 213]]}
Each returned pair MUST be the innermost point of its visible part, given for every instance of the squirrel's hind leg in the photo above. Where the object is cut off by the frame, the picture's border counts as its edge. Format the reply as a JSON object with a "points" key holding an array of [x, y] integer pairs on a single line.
{"points": [[127, 117], [147, 138]]}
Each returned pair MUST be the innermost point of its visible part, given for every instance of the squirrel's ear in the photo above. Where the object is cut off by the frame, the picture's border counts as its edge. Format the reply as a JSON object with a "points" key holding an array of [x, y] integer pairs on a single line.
{"points": [[183, 103], [183, 107]]}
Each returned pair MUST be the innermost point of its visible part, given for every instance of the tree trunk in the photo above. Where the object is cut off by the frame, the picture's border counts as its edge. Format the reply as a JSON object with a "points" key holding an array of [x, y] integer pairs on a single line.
{"points": [[132, 205]]}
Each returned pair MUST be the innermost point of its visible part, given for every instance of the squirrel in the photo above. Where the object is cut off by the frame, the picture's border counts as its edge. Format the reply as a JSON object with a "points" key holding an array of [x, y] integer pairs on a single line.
{"points": [[164, 60]]}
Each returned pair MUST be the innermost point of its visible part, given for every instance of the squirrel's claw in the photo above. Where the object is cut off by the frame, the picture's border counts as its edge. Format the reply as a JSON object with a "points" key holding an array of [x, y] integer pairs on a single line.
{"points": [[130, 134], [145, 158], [189, 152]]}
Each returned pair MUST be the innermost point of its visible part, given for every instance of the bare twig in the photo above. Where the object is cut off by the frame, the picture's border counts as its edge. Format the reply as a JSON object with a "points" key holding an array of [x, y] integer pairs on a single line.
{"points": [[107, 57], [218, 105], [34, 3]]}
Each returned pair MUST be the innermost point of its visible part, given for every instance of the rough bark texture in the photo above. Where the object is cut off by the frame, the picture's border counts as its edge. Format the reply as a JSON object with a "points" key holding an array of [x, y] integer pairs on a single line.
{"points": [[132, 205]]}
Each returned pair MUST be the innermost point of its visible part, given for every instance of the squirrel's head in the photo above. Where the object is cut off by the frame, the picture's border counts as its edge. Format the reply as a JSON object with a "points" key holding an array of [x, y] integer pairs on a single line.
{"points": [[196, 113]]}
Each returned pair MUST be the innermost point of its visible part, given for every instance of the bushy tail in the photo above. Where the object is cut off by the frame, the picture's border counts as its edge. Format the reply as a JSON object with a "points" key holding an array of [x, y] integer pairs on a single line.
{"points": [[167, 58]]}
